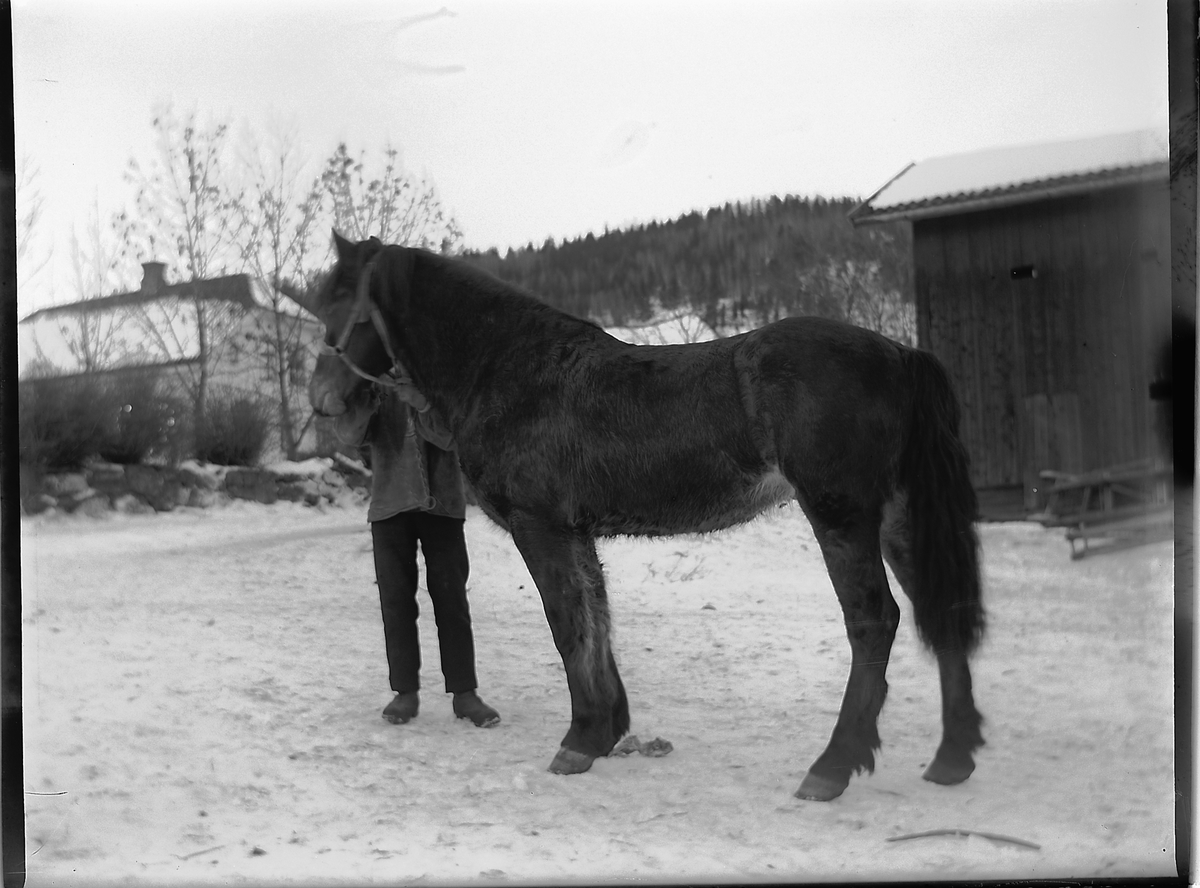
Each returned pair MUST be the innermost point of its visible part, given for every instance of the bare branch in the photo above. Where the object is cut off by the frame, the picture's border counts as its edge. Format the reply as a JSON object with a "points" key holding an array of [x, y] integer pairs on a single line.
{"points": [[31, 204]]}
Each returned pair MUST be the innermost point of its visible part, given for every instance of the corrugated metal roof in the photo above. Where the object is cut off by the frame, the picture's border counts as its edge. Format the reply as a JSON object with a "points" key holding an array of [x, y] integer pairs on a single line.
{"points": [[999, 176]]}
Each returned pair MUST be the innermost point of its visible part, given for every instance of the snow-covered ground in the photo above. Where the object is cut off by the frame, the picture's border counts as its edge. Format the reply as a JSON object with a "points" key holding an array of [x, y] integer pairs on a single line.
{"points": [[203, 693]]}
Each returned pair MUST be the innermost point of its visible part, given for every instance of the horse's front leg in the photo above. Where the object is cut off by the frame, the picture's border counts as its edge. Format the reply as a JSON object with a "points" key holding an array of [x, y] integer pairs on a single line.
{"points": [[571, 582]]}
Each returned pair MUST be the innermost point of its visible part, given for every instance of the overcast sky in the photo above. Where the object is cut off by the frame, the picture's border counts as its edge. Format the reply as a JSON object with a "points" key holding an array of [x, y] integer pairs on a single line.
{"points": [[552, 119]]}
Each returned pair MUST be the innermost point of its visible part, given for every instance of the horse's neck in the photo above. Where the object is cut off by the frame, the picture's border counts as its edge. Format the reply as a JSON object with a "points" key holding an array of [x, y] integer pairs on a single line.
{"points": [[467, 334]]}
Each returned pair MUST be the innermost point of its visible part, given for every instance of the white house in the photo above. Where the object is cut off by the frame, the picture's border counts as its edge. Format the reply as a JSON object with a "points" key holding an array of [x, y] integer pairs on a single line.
{"points": [[155, 328]]}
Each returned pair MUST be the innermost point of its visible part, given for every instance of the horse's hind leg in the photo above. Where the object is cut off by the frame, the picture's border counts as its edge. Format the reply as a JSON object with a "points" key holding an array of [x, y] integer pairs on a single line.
{"points": [[569, 577], [960, 719], [852, 557]]}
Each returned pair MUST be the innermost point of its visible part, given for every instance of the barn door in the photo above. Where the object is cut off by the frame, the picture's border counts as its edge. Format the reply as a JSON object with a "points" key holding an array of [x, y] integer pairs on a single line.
{"points": [[1049, 423], [1050, 440]]}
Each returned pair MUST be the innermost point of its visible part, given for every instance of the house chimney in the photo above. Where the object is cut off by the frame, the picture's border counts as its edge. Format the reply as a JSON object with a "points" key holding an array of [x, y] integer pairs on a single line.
{"points": [[152, 277]]}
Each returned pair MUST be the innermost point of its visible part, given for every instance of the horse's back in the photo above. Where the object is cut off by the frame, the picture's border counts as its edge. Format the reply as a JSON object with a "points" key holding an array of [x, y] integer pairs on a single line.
{"points": [[804, 406], [823, 354]]}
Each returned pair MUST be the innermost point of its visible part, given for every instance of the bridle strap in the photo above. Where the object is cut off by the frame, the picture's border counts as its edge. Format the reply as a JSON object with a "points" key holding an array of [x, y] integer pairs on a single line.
{"points": [[363, 305]]}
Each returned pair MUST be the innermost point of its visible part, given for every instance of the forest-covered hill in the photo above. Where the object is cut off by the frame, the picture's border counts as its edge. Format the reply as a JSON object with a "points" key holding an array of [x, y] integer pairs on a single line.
{"points": [[736, 266]]}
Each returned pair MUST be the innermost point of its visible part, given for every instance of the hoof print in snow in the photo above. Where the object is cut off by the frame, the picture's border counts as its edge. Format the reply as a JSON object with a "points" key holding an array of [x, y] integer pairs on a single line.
{"points": [[655, 748], [628, 746]]}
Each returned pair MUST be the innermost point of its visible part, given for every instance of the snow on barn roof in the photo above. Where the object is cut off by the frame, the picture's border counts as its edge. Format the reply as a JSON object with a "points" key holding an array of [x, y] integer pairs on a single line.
{"points": [[1002, 176]]}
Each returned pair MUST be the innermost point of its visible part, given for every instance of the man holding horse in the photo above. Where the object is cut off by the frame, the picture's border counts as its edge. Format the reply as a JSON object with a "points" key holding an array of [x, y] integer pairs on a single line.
{"points": [[417, 497]]}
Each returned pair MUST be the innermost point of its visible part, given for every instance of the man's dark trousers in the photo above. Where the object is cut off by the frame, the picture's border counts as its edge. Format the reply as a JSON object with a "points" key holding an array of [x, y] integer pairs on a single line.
{"points": [[444, 549]]}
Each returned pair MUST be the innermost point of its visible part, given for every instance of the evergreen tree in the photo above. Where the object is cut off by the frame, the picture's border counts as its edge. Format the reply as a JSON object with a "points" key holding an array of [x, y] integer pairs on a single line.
{"points": [[737, 266]]}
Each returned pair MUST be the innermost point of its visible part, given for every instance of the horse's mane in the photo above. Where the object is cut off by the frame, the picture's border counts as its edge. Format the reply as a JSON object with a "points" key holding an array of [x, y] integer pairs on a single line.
{"points": [[466, 330], [510, 297]]}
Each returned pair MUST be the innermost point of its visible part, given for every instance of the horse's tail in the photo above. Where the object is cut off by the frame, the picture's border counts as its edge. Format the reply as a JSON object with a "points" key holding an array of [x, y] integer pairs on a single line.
{"points": [[941, 505]]}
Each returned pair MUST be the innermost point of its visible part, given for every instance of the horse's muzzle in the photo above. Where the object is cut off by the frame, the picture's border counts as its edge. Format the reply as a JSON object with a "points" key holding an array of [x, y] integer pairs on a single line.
{"points": [[327, 403]]}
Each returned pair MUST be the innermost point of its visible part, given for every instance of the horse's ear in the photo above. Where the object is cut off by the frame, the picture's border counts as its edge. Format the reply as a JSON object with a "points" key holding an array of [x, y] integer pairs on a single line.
{"points": [[345, 249], [370, 249]]}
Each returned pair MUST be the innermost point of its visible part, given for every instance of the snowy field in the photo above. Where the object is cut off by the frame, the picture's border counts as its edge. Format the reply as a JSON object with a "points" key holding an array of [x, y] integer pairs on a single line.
{"points": [[203, 693]]}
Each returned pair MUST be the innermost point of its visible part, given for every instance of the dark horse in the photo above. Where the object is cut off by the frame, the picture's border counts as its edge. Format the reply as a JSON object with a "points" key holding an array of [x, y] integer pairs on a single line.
{"points": [[567, 434]]}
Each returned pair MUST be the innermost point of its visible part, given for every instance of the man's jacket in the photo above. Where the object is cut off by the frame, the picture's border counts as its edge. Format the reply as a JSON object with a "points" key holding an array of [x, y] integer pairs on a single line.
{"points": [[413, 463]]}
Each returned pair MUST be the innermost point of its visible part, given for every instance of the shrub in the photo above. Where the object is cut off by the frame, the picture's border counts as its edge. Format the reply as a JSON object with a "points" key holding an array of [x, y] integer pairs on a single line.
{"points": [[61, 421], [140, 421], [234, 428], [176, 443], [121, 418]]}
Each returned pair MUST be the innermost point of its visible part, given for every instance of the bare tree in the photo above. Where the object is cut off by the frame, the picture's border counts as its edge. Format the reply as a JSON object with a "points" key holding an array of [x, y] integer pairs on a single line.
{"points": [[854, 291], [94, 336], [279, 214], [186, 214], [285, 240], [31, 204], [390, 204], [204, 210]]}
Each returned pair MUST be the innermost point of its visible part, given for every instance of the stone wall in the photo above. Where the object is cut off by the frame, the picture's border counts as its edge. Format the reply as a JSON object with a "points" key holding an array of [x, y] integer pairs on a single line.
{"points": [[103, 487]]}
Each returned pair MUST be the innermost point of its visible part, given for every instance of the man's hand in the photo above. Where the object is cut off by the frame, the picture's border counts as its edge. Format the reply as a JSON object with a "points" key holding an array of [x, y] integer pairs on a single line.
{"points": [[351, 426], [407, 392]]}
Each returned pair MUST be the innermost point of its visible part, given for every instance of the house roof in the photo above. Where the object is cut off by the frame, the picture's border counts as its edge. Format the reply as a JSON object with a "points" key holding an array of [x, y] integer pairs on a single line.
{"points": [[237, 288], [1003, 176], [46, 336]]}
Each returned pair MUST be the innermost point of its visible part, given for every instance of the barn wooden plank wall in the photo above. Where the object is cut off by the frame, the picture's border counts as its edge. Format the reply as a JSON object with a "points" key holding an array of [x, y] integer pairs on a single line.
{"points": [[1052, 369]]}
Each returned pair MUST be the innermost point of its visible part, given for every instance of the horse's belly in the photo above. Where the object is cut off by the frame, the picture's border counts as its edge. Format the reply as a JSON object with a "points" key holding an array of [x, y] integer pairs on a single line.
{"points": [[771, 489], [699, 509]]}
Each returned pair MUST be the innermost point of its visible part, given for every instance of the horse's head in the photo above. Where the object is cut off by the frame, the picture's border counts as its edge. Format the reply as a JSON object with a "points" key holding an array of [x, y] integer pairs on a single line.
{"points": [[355, 350]]}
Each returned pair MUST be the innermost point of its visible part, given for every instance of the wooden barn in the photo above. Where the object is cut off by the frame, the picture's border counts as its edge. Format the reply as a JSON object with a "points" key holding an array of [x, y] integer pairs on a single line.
{"points": [[1043, 281]]}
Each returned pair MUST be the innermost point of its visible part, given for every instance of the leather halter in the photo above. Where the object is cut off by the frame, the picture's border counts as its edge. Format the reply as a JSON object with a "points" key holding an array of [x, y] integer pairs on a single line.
{"points": [[364, 309]]}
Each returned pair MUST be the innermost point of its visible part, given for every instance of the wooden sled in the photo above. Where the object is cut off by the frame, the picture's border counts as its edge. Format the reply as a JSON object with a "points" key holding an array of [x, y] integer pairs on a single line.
{"points": [[1114, 508]]}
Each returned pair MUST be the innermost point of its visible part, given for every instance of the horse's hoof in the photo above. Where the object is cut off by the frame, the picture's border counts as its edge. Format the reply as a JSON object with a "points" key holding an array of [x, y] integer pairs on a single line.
{"points": [[816, 788], [948, 773], [568, 761]]}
